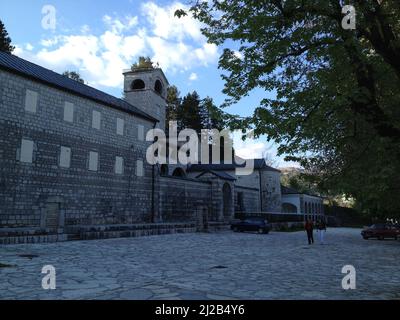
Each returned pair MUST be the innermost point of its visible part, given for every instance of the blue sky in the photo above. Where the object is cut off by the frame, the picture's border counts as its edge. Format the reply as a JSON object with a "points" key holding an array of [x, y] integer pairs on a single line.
{"points": [[101, 38]]}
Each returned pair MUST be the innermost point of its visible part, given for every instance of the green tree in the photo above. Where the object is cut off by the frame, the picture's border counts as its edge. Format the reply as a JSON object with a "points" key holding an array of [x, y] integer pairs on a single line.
{"points": [[144, 63], [74, 76], [337, 91], [173, 104], [189, 113], [213, 117], [5, 40], [193, 112]]}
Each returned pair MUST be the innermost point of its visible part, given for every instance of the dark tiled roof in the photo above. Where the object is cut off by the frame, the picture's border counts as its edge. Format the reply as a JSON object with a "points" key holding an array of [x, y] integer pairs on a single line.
{"points": [[219, 174], [30, 70], [259, 164]]}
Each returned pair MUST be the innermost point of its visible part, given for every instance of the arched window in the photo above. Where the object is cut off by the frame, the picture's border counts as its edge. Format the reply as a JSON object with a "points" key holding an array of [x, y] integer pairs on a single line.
{"points": [[164, 170], [138, 84], [158, 87], [179, 172]]}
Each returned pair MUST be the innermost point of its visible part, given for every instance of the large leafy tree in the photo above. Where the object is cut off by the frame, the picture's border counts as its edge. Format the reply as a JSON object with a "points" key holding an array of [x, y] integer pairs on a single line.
{"points": [[336, 108], [213, 117], [5, 40]]}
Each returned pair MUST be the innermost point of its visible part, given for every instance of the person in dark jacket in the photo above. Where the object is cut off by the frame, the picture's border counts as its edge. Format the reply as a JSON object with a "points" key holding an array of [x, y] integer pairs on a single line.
{"points": [[309, 227]]}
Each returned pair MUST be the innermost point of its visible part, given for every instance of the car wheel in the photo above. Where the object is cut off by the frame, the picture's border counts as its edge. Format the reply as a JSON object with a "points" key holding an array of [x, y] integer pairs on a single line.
{"points": [[235, 229], [365, 238], [261, 231], [381, 238]]}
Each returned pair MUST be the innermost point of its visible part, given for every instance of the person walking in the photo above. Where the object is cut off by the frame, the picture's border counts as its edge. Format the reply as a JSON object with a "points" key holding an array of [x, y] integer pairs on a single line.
{"points": [[321, 230], [309, 227]]}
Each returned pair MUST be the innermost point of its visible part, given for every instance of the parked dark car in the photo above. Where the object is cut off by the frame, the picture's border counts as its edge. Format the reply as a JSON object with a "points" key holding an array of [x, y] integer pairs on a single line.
{"points": [[251, 224], [381, 231]]}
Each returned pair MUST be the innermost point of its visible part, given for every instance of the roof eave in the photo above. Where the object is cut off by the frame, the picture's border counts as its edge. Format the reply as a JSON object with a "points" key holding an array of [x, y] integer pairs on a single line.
{"points": [[27, 76]]}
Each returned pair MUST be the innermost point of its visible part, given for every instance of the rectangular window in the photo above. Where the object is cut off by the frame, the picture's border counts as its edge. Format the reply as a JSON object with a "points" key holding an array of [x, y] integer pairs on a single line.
{"points": [[96, 120], [120, 126], [93, 161], [26, 151], [119, 165], [69, 112], [141, 133], [31, 99], [65, 157], [139, 168]]}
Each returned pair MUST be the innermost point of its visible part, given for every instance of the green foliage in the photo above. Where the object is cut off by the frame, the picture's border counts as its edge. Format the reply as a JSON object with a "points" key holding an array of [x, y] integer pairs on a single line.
{"points": [[74, 76], [5, 40], [336, 109], [192, 112], [173, 103], [189, 113], [180, 13], [144, 63]]}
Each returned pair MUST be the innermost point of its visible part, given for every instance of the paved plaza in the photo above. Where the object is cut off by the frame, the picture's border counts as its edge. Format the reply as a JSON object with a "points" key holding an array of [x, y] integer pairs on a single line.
{"points": [[222, 265]]}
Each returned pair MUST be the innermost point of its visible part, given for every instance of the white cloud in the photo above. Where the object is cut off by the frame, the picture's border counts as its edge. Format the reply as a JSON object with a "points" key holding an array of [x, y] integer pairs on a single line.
{"points": [[119, 25], [85, 29], [50, 42], [165, 25], [193, 77], [249, 148], [176, 44]]}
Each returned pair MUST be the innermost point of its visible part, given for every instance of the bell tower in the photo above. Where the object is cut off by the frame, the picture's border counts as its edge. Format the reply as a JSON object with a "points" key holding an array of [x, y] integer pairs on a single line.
{"points": [[146, 89]]}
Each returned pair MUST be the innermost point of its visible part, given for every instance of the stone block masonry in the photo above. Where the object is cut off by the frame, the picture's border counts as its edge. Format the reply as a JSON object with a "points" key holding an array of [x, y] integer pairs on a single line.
{"points": [[41, 194], [180, 199]]}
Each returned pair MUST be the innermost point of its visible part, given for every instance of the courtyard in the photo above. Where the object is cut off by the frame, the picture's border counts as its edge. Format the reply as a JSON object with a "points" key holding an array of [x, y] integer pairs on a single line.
{"points": [[221, 265]]}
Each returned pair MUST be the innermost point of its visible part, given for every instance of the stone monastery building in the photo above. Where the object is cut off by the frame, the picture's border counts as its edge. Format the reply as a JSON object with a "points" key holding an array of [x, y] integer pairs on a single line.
{"points": [[73, 164]]}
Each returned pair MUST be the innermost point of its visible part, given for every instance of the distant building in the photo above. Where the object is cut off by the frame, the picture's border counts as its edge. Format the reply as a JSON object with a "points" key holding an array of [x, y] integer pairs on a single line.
{"points": [[296, 202]]}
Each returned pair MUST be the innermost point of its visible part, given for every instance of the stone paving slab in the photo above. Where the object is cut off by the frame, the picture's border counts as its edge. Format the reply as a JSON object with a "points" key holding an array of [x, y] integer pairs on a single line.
{"points": [[222, 265]]}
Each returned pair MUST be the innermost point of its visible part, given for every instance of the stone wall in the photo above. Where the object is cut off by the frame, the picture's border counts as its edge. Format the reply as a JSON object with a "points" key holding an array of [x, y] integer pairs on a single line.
{"points": [[80, 196], [271, 191], [247, 199], [180, 198]]}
